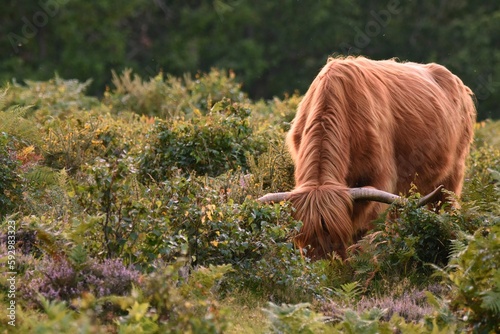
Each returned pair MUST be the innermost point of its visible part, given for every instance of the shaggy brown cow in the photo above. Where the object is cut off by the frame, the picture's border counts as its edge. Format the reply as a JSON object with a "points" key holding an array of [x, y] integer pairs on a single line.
{"points": [[378, 124]]}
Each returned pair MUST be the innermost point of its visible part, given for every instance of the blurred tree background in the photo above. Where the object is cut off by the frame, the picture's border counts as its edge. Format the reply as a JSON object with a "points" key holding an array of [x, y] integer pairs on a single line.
{"points": [[274, 47]]}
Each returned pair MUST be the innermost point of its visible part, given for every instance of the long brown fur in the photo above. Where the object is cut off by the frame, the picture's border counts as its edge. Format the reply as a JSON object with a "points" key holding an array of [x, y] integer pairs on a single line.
{"points": [[383, 124]]}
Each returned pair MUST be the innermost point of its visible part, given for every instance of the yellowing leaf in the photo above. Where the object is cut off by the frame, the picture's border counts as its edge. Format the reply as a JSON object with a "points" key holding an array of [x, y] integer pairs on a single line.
{"points": [[137, 311], [27, 150]]}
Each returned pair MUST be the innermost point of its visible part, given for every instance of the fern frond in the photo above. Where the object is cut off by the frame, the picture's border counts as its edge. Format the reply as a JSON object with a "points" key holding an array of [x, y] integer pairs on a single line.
{"points": [[63, 178], [54, 309], [78, 255], [348, 291], [495, 174], [457, 247], [3, 94], [14, 124], [42, 175], [298, 318], [491, 301]]}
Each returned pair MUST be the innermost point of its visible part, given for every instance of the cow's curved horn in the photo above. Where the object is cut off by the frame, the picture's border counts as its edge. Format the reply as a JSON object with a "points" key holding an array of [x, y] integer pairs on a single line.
{"points": [[369, 194], [430, 197], [275, 197], [372, 194]]}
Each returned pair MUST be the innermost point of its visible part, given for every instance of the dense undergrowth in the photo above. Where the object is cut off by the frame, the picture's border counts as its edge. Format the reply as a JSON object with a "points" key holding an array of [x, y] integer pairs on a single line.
{"points": [[136, 213]]}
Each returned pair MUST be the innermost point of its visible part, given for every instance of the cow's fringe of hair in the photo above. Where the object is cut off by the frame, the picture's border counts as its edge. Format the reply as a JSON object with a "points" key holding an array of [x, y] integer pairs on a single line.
{"points": [[326, 211]]}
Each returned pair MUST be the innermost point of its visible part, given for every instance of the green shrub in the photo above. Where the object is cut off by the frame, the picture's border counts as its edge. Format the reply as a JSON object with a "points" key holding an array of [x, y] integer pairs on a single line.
{"points": [[19, 154], [57, 317], [211, 144], [273, 170], [475, 274], [53, 98], [172, 97], [257, 240], [419, 235], [18, 126], [145, 223], [11, 183], [402, 244], [142, 223], [487, 134], [118, 212], [277, 113], [87, 135], [171, 303], [481, 192], [298, 318]]}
